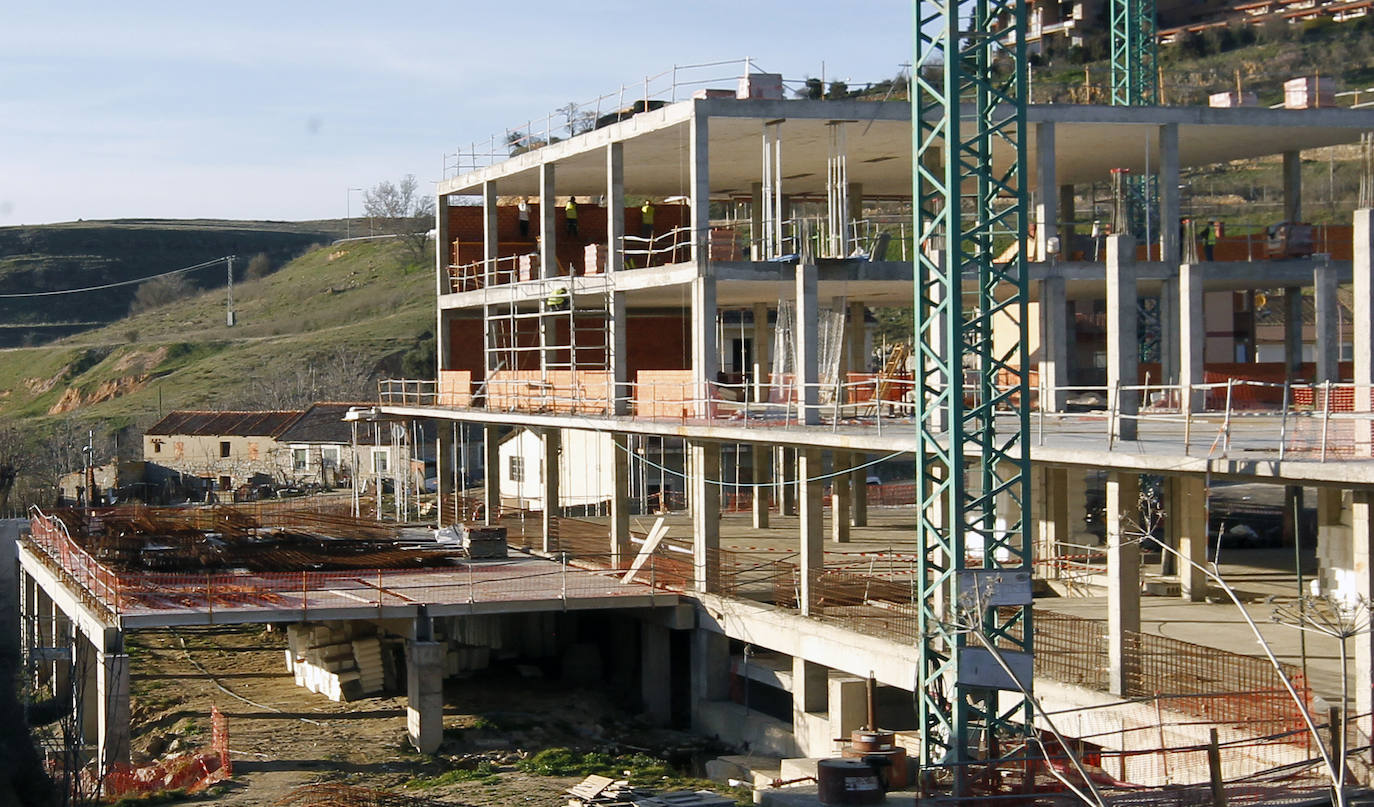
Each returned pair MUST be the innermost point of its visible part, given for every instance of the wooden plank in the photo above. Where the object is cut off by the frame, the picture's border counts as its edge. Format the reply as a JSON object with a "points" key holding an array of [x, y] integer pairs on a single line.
{"points": [[656, 534]]}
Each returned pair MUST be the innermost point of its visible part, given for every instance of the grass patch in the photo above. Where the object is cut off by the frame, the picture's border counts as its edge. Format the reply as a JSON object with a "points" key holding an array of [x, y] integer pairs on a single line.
{"points": [[483, 772]]}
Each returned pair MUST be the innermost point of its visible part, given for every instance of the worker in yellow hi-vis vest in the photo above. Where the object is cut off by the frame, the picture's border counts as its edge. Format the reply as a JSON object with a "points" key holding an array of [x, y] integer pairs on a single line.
{"points": [[570, 216], [646, 219]]}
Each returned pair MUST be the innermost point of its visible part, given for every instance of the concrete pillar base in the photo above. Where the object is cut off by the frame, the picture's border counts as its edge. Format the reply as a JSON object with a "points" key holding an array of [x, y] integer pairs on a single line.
{"points": [[655, 673], [810, 723], [425, 695], [112, 709], [710, 670]]}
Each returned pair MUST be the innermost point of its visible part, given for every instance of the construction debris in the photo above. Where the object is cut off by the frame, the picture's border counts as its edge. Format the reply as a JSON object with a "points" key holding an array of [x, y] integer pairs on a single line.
{"points": [[258, 538], [604, 791]]}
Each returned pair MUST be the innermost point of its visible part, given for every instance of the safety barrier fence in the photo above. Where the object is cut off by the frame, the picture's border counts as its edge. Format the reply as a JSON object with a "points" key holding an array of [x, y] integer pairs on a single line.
{"points": [[728, 241], [1301, 420], [1075, 650]]}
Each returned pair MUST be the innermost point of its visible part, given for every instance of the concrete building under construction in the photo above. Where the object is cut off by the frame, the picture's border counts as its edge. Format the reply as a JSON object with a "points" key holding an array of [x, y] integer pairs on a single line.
{"points": [[690, 285]]}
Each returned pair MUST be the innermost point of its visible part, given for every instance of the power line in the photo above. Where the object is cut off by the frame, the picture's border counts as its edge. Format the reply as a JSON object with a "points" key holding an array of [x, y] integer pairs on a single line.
{"points": [[17, 295]]}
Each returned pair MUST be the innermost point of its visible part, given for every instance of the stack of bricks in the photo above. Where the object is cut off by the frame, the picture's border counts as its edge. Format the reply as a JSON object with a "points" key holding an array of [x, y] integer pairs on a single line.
{"points": [[330, 660]]}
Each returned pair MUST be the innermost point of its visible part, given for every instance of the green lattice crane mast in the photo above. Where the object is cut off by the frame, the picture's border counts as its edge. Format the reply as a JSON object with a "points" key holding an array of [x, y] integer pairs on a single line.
{"points": [[969, 94], [1135, 53]]}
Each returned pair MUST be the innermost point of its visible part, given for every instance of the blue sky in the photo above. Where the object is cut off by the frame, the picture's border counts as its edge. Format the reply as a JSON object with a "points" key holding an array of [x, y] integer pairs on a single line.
{"points": [[272, 110]]}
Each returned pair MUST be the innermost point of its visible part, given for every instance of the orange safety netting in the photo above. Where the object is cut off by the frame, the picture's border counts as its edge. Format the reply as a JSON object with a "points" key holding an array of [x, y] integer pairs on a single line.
{"points": [[190, 772]]}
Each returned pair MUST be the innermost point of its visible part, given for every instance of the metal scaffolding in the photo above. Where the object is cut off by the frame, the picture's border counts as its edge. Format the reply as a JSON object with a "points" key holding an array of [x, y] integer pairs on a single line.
{"points": [[970, 87], [1135, 82]]}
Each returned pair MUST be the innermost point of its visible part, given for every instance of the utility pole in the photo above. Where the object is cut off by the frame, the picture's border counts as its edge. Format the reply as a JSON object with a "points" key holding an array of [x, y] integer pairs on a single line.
{"points": [[229, 317]]}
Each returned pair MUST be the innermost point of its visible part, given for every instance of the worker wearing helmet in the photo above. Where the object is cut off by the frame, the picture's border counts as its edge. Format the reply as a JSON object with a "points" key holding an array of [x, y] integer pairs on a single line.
{"points": [[570, 215], [646, 219], [557, 300]]}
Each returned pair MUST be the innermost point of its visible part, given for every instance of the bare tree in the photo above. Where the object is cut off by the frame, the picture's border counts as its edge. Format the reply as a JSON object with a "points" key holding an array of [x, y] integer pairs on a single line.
{"points": [[160, 291], [259, 267], [342, 375], [401, 209]]}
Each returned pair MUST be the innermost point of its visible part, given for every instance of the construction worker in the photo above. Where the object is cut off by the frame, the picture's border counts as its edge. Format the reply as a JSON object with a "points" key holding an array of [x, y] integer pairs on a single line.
{"points": [[646, 219], [570, 215], [523, 211], [557, 301], [1209, 240]]}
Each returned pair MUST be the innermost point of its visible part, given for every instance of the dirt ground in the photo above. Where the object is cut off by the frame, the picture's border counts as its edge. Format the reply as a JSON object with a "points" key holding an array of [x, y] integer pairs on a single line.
{"points": [[281, 736]]}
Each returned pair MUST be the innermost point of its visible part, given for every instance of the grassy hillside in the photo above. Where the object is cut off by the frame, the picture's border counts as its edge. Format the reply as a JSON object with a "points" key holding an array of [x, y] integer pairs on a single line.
{"points": [[87, 253], [323, 324]]}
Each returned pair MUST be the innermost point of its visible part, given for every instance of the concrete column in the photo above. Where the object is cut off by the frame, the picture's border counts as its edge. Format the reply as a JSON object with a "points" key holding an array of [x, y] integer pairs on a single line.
{"points": [[87, 670], [552, 496], [856, 337], [444, 493], [112, 708], [704, 498], [1185, 517], [1123, 578], [1362, 541], [1192, 332], [763, 353], [704, 358], [810, 697], [655, 673], [620, 361], [621, 550], [491, 240], [1168, 329], [1292, 186], [763, 474], [710, 670], [811, 527], [443, 244], [425, 695], [858, 491], [491, 474], [1328, 324], [840, 498], [1334, 543], [855, 195], [62, 636], [1054, 344], [788, 463], [1046, 190], [699, 165], [756, 234], [43, 628], [615, 207], [1292, 331], [28, 637], [1362, 276], [804, 335], [1067, 213], [1169, 248], [548, 223], [847, 705], [1050, 507], [1123, 343]]}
